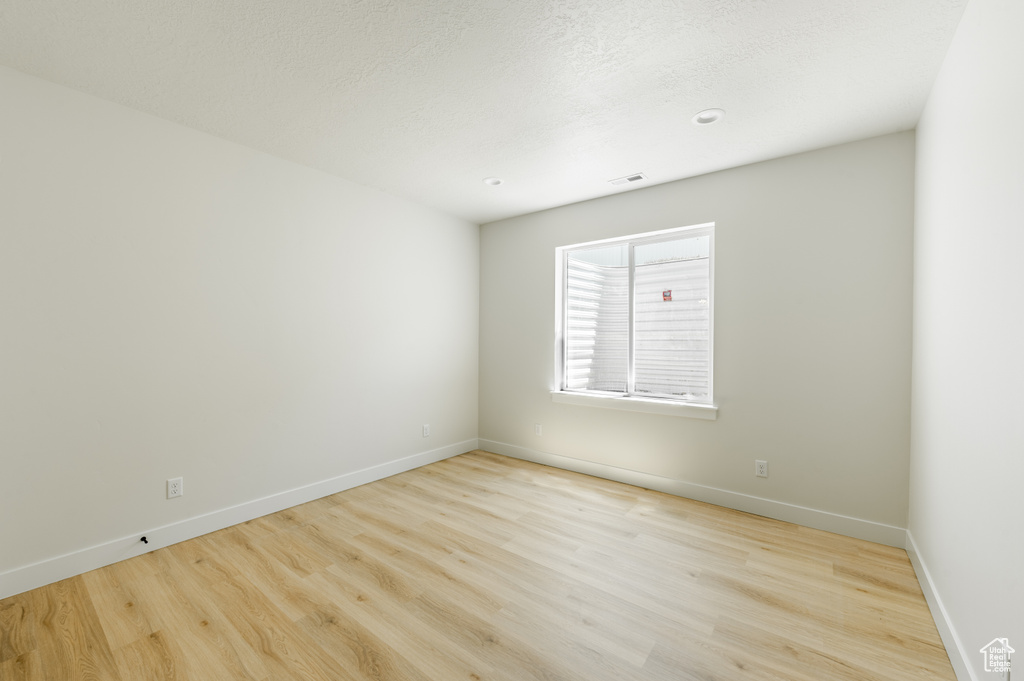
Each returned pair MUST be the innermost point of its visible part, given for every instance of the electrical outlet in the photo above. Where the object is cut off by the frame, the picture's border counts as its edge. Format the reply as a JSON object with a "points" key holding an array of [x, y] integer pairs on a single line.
{"points": [[761, 469], [538, 429], [426, 430], [175, 487]]}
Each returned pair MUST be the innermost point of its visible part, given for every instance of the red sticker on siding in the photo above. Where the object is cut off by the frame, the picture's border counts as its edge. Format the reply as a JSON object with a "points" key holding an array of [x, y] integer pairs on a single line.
{"points": [[666, 295]]}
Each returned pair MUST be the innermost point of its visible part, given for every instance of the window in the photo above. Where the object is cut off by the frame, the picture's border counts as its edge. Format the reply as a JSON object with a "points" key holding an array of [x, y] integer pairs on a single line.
{"points": [[635, 319]]}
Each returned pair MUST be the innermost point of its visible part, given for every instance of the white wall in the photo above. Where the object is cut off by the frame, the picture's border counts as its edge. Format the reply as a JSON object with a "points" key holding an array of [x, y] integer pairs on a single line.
{"points": [[175, 305], [812, 337], [967, 461]]}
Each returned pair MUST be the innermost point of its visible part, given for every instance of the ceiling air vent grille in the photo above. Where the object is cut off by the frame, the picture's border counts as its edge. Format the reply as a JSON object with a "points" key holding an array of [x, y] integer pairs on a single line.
{"points": [[628, 179]]}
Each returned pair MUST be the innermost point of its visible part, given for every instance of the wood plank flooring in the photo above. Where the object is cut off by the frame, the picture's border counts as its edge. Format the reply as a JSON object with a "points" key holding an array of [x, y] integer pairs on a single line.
{"points": [[485, 568]]}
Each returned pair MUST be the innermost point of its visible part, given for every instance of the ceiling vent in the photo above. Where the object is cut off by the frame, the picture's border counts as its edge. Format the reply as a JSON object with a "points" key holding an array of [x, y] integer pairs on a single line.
{"points": [[629, 179]]}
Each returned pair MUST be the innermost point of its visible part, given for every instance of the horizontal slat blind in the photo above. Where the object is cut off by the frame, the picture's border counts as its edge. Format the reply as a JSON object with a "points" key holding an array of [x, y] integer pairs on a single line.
{"points": [[596, 326]]}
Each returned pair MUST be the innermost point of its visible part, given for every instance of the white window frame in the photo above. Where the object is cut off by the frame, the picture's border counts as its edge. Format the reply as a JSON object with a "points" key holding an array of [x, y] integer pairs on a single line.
{"points": [[631, 401]]}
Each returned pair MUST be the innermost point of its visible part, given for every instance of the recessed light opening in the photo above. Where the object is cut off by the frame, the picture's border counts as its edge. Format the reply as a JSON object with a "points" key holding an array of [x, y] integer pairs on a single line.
{"points": [[708, 116]]}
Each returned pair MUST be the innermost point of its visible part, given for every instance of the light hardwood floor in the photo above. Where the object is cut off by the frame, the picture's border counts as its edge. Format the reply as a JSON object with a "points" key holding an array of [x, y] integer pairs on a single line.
{"points": [[487, 568]]}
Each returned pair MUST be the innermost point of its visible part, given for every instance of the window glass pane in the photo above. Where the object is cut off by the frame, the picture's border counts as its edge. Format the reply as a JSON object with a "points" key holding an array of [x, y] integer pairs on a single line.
{"points": [[672, 322], [597, 319], [608, 256]]}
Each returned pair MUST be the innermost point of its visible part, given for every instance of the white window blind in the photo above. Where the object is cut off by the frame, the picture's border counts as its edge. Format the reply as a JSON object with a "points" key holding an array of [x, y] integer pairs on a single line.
{"points": [[597, 327], [638, 316]]}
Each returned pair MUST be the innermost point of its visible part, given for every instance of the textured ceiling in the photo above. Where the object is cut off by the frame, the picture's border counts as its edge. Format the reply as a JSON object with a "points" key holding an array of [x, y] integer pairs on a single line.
{"points": [[424, 98]]}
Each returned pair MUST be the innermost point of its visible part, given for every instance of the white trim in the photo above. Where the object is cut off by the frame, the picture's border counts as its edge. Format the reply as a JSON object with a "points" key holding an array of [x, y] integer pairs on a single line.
{"points": [[708, 412], [561, 295], [711, 314], [54, 569], [656, 235], [801, 515], [958, 656]]}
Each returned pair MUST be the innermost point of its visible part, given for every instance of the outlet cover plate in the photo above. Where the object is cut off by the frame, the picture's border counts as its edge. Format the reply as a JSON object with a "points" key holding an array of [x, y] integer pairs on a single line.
{"points": [[175, 487]]}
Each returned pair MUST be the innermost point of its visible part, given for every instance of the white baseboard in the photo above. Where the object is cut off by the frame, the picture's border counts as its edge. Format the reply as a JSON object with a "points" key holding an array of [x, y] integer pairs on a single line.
{"points": [[954, 647], [55, 569], [801, 515]]}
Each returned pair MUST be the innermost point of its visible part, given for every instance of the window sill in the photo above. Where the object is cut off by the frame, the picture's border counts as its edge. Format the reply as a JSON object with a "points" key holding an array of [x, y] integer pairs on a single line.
{"points": [[708, 412]]}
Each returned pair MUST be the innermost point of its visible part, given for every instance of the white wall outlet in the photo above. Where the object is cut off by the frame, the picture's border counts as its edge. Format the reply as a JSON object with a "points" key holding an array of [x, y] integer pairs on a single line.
{"points": [[175, 487], [426, 430], [761, 469], [538, 429]]}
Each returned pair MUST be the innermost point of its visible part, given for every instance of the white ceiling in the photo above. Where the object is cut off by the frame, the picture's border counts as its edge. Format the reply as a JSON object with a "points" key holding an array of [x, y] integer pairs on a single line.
{"points": [[425, 98]]}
